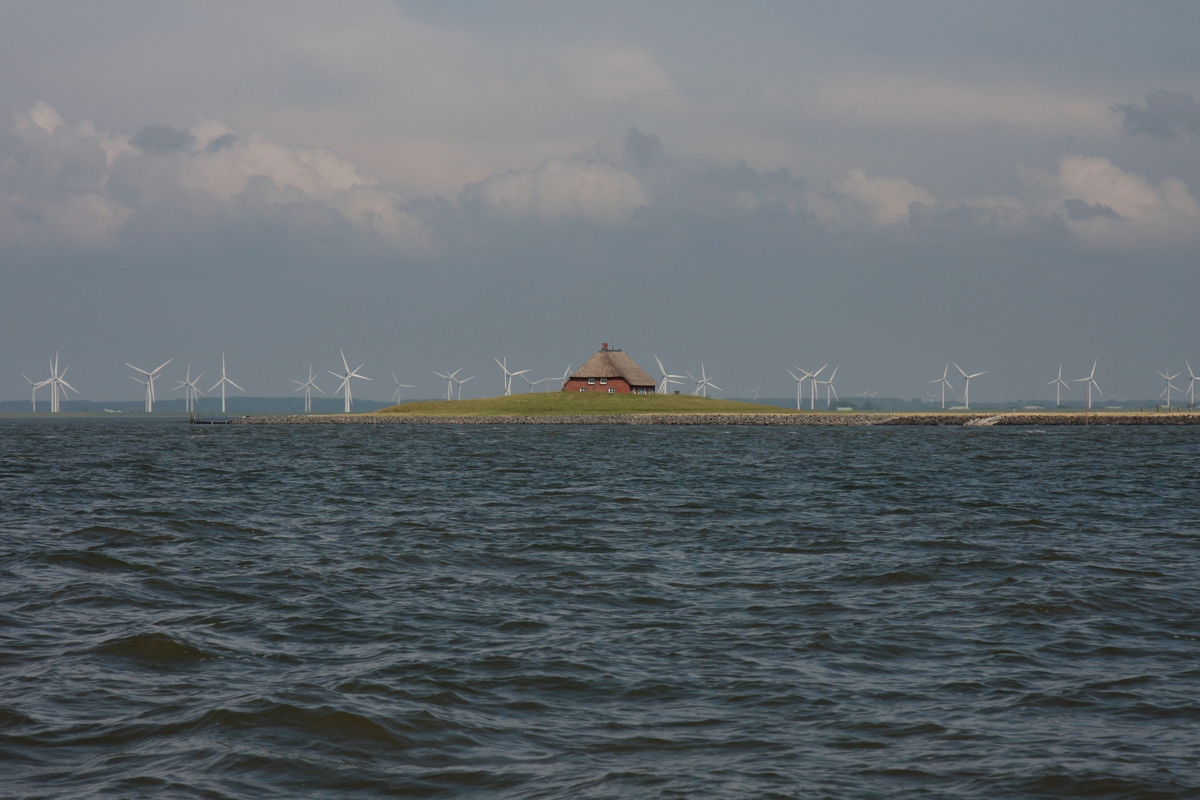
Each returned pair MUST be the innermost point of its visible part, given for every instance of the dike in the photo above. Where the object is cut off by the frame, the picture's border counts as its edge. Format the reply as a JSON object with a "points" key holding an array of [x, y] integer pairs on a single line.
{"points": [[759, 420]]}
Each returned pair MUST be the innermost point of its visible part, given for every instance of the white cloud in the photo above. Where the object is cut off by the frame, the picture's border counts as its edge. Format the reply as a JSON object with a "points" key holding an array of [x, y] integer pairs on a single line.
{"points": [[1106, 206], [74, 185], [855, 198], [922, 103], [561, 189], [612, 73]]}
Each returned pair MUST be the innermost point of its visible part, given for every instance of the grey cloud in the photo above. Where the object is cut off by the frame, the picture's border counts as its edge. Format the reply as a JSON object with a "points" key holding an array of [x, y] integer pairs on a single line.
{"points": [[161, 139], [221, 142], [1079, 210], [643, 149], [1164, 116]]}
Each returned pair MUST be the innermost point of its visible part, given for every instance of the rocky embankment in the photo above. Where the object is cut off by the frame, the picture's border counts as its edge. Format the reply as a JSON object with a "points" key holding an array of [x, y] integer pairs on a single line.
{"points": [[814, 420]]}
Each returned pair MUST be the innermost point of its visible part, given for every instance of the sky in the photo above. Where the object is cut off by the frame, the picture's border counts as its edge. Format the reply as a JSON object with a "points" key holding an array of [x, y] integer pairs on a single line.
{"points": [[885, 187]]}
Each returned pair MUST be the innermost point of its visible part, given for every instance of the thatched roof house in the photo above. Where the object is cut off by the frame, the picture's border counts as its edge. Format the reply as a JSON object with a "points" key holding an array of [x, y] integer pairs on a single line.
{"points": [[612, 371]]}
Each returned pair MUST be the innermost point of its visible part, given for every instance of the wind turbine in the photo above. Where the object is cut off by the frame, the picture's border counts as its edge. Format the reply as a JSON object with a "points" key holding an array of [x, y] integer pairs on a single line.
{"points": [[799, 383], [399, 386], [450, 382], [149, 381], [1090, 380], [812, 398], [508, 376], [35, 386], [190, 390], [967, 390], [564, 378], [1167, 391], [461, 382], [1059, 384], [756, 388], [57, 382], [703, 384], [224, 380], [1192, 385], [350, 373], [307, 387], [945, 384], [535, 383], [829, 387], [667, 379]]}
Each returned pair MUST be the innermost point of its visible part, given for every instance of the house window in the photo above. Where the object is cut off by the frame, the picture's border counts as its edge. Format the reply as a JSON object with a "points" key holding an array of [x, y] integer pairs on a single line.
{"points": [[583, 388], [591, 381], [604, 380], [612, 390]]}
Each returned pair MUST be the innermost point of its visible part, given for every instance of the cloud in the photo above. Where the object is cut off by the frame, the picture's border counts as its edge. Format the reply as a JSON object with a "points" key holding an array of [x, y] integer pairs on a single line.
{"points": [[923, 103], [643, 149], [609, 74], [560, 189], [75, 186], [1104, 205], [156, 139], [1164, 116], [854, 198]]}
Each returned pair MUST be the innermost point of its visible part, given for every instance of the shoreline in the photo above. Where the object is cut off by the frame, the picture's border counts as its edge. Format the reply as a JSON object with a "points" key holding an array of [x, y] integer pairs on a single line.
{"points": [[752, 420]]}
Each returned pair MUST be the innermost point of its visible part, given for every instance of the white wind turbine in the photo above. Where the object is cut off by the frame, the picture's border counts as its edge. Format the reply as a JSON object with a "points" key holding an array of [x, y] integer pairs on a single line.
{"points": [[564, 378], [755, 392], [1090, 380], [1192, 386], [703, 383], [967, 390], [1165, 374], [57, 382], [399, 386], [450, 382], [149, 381], [812, 389], [799, 384], [508, 376], [945, 384], [345, 384], [460, 382], [224, 380], [190, 390], [829, 387], [667, 379], [307, 387], [1059, 384], [35, 386]]}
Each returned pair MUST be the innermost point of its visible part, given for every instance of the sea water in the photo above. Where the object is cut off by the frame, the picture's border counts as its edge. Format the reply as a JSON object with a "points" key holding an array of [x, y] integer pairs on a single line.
{"points": [[597, 612]]}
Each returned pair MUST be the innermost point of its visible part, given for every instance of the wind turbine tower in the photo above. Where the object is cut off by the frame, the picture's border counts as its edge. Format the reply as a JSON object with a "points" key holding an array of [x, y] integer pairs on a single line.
{"points": [[945, 384], [1192, 386], [1165, 374], [449, 381], [307, 387], [345, 384], [224, 380], [399, 386], [190, 390], [149, 381], [1090, 381], [667, 379], [1059, 384], [967, 390]]}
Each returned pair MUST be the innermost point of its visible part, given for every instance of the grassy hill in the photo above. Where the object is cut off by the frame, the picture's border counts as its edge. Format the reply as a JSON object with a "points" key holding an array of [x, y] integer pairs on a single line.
{"points": [[535, 404]]}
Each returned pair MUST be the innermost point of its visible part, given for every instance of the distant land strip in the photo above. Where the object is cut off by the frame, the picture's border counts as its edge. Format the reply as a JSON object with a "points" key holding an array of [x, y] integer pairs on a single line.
{"points": [[763, 419]]}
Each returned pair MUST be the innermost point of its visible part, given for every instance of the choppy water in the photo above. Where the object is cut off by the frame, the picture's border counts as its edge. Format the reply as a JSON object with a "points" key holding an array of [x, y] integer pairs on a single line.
{"points": [[624, 612]]}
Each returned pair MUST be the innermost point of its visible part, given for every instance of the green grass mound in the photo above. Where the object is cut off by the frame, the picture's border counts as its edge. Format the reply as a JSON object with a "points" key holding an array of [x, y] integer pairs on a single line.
{"points": [[536, 404]]}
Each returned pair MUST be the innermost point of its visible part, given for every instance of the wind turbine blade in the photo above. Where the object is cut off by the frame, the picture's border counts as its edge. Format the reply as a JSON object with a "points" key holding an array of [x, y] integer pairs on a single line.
{"points": [[160, 366], [234, 385]]}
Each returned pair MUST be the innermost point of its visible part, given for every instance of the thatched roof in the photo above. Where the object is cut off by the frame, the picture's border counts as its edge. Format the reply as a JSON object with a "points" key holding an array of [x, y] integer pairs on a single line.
{"points": [[614, 364]]}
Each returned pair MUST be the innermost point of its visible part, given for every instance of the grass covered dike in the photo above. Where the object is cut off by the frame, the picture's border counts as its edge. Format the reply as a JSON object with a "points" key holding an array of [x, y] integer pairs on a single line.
{"points": [[554, 404]]}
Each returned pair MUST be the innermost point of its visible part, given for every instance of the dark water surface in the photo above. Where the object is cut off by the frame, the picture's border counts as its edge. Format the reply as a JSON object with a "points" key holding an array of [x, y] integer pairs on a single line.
{"points": [[572, 611]]}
